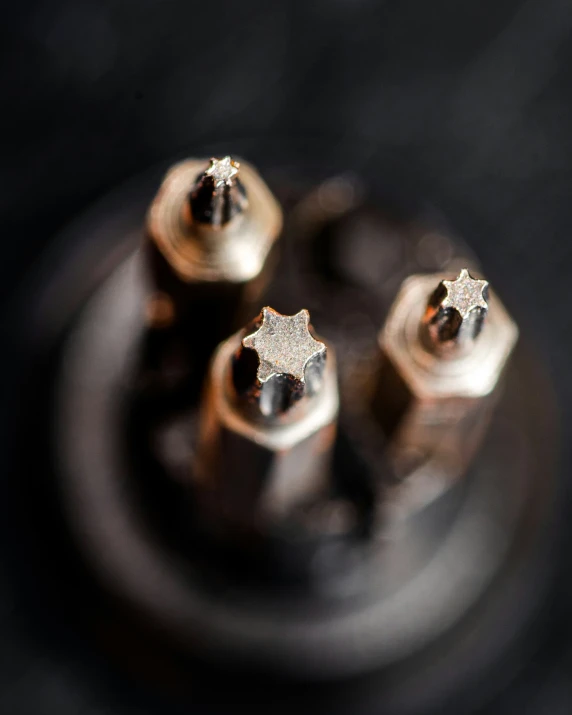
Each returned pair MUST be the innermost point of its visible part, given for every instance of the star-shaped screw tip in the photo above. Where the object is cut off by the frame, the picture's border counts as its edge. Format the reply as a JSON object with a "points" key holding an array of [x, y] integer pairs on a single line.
{"points": [[279, 363], [465, 294], [217, 195], [284, 345], [455, 313], [223, 171]]}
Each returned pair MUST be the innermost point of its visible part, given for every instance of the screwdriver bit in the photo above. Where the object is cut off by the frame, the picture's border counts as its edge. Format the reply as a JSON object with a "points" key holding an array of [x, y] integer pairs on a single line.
{"points": [[268, 421], [218, 194], [455, 314], [444, 347], [290, 363], [210, 233]]}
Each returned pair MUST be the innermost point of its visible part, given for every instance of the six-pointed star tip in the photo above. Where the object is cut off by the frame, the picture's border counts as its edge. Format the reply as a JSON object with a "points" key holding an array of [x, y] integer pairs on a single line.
{"points": [[465, 293], [284, 345], [223, 171]]}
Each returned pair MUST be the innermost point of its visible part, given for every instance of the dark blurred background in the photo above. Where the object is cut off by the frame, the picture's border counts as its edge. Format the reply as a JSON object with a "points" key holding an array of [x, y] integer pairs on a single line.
{"points": [[470, 101]]}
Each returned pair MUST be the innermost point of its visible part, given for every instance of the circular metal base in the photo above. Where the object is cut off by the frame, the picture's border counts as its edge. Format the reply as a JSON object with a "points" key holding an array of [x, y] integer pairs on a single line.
{"points": [[408, 583], [397, 621]]}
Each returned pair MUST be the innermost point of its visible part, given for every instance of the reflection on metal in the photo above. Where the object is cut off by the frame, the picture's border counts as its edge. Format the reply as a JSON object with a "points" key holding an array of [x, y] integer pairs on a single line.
{"points": [[455, 314], [291, 362], [217, 196], [441, 361], [212, 248], [268, 419], [210, 233]]}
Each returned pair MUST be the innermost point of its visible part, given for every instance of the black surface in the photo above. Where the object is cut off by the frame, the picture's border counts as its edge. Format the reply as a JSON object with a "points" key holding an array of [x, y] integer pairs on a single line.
{"points": [[468, 101]]}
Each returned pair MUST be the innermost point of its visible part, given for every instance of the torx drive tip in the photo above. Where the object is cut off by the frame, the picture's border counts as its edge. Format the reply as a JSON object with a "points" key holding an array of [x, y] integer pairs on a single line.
{"points": [[290, 361], [465, 294], [218, 195], [223, 171], [284, 345], [456, 311]]}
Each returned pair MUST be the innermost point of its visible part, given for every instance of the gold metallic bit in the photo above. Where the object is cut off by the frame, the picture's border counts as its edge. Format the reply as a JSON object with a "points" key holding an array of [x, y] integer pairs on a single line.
{"points": [[455, 314]]}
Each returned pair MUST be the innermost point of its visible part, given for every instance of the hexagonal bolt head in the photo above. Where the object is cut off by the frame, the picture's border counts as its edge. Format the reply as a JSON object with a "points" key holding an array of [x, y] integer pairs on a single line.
{"points": [[210, 231], [268, 422], [444, 347]]}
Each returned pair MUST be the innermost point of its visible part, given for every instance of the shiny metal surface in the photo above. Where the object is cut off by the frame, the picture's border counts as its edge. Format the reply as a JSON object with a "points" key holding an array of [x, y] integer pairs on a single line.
{"points": [[368, 597], [375, 614], [407, 603], [290, 364], [435, 390], [455, 314], [267, 426], [200, 251], [218, 195]]}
